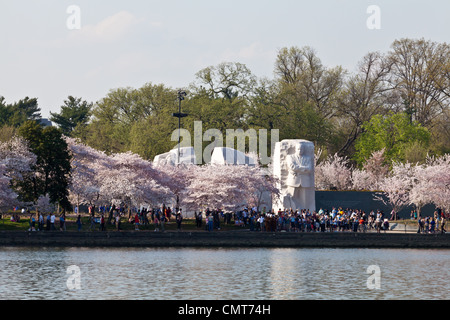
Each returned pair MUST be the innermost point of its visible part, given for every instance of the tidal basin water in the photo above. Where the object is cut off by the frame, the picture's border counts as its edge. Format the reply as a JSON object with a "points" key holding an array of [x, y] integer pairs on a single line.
{"points": [[223, 274]]}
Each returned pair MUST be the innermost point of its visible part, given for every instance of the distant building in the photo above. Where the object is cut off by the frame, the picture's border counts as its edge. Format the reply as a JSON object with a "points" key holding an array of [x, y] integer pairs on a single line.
{"points": [[46, 123]]}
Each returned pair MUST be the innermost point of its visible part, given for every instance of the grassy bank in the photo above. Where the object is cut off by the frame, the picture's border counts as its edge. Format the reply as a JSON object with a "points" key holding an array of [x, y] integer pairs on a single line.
{"points": [[187, 225]]}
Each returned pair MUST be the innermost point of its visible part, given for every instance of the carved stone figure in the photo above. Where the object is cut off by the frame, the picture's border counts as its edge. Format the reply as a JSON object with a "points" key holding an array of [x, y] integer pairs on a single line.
{"points": [[187, 156], [221, 156], [293, 164]]}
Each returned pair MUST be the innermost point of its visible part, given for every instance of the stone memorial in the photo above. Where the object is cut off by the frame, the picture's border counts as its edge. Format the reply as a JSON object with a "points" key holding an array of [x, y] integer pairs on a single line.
{"points": [[187, 156], [229, 156], [293, 165]]}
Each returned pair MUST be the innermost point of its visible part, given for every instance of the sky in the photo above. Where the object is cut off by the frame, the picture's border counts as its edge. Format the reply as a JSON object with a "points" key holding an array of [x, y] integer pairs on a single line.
{"points": [[130, 43]]}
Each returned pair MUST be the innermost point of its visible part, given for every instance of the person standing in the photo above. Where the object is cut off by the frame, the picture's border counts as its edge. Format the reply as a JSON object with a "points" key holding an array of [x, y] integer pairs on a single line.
{"points": [[432, 225], [32, 222], [420, 225], [262, 222], [48, 226], [79, 223], [442, 225], [198, 219], [393, 215], [210, 223], [136, 222], [162, 221], [378, 222], [40, 222], [156, 222], [102, 222], [62, 222], [427, 224], [118, 221], [179, 219], [52, 222]]}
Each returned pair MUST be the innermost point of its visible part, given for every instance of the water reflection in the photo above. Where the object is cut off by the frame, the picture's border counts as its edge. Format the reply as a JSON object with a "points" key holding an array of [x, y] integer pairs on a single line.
{"points": [[241, 274]]}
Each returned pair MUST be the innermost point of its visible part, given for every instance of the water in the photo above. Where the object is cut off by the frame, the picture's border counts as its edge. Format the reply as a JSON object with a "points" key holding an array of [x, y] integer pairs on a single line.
{"points": [[227, 274]]}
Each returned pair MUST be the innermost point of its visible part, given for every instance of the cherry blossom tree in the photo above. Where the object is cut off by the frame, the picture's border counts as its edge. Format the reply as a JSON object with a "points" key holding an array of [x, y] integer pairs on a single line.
{"points": [[123, 178], [87, 164], [16, 161], [432, 183], [419, 195], [17, 157], [8, 197], [439, 170], [178, 179], [260, 182], [373, 172], [215, 186], [417, 185], [334, 173], [133, 181], [396, 186], [44, 204], [227, 187]]}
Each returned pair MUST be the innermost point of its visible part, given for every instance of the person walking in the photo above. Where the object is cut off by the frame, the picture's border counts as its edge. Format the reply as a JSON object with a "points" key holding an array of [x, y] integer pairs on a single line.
{"points": [[92, 222]]}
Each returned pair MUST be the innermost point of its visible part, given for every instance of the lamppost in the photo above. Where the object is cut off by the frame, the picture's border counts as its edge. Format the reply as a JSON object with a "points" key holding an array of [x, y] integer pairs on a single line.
{"points": [[181, 96]]}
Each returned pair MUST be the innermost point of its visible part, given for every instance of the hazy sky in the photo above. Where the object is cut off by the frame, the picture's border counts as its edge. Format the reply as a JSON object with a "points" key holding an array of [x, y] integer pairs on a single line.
{"points": [[130, 43]]}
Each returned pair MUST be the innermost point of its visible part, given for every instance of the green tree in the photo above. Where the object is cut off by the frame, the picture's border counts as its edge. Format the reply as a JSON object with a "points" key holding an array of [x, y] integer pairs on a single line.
{"points": [[52, 170], [365, 94], [74, 112], [128, 119], [302, 71], [394, 133], [306, 94], [19, 112], [276, 105], [227, 80], [150, 134]]}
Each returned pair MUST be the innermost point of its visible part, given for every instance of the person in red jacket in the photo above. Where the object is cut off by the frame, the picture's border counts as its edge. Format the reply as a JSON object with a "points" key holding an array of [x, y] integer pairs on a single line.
{"points": [[136, 222]]}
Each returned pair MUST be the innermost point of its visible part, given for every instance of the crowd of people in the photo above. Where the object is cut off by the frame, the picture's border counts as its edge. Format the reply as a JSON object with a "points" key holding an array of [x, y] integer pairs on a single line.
{"points": [[434, 224], [294, 221], [334, 220], [304, 220], [41, 222], [158, 217]]}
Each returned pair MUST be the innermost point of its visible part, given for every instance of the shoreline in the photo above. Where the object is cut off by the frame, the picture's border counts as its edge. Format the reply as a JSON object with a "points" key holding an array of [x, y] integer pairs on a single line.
{"points": [[226, 239]]}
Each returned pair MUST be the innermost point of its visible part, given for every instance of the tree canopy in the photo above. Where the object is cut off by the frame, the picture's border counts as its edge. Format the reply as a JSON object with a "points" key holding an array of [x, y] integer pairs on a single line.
{"points": [[335, 108]]}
